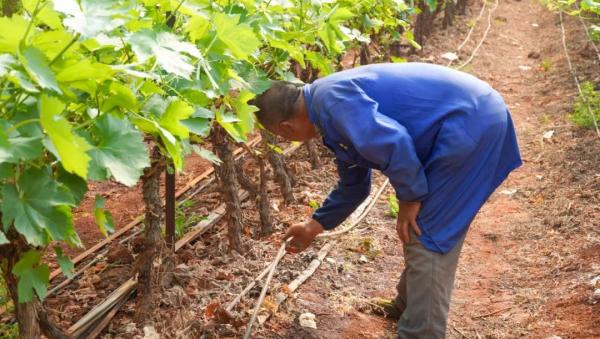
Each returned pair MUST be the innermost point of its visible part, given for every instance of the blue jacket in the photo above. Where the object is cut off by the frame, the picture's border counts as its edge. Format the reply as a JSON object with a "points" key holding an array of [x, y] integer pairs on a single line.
{"points": [[443, 137]]}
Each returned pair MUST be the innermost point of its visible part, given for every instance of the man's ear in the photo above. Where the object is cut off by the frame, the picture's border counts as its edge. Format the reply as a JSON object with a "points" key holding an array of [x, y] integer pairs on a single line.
{"points": [[286, 127]]}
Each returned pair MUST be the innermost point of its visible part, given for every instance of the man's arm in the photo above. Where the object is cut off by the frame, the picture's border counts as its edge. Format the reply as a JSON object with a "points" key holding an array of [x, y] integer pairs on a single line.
{"points": [[352, 189]]}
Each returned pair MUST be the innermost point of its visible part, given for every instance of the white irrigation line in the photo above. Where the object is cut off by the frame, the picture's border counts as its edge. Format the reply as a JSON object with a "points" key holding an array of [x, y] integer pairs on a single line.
{"points": [[587, 32], [487, 30], [265, 288], [362, 210], [470, 31], [564, 42]]}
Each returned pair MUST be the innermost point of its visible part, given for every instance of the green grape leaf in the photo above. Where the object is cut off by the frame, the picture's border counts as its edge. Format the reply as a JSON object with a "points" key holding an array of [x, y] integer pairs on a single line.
{"points": [[36, 64], [232, 130], [6, 171], [83, 70], [197, 27], [203, 113], [206, 154], [40, 208], [74, 183], [3, 239], [103, 217], [46, 15], [20, 149], [53, 42], [294, 52], [66, 265], [32, 275], [432, 4], [319, 62], [171, 120], [93, 16], [239, 38], [22, 80], [12, 31], [7, 61], [120, 96], [258, 81], [70, 147], [198, 126], [245, 111], [173, 147], [171, 54], [118, 151]]}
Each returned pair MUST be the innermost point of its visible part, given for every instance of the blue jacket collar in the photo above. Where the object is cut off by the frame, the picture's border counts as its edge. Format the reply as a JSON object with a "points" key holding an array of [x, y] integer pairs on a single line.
{"points": [[312, 115]]}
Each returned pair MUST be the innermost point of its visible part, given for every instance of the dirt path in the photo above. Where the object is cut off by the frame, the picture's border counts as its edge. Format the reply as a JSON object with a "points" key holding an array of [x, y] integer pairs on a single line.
{"points": [[532, 251], [528, 259]]}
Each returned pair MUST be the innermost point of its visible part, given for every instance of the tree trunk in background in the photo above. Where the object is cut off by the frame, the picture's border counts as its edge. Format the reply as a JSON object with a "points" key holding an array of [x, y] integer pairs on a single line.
{"points": [[313, 153], [365, 54], [227, 179], [153, 242], [424, 24], [245, 182], [461, 6], [31, 316], [9, 7], [266, 221], [449, 7], [26, 313], [282, 175]]}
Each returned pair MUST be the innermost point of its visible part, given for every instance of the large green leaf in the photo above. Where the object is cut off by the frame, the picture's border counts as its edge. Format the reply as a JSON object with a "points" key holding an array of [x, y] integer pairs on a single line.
{"points": [[294, 52], [12, 31], [120, 96], [171, 53], [93, 16], [36, 64], [75, 184], [244, 111], [171, 120], [20, 149], [40, 208], [239, 38], [198, 126], [119, 151], [33, 276], [197, 26], [84, 69], [70, 147], [46, 15]]}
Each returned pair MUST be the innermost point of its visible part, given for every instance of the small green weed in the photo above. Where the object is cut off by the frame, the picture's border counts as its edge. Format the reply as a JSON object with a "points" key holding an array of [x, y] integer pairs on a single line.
{"points": [[314, 204], [588, 100], [393, 207], [545, 65]]}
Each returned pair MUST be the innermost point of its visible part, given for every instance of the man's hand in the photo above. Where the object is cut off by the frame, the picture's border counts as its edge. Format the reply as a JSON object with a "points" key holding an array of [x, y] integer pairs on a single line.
{"points": [[407, 217], [302, 234]]}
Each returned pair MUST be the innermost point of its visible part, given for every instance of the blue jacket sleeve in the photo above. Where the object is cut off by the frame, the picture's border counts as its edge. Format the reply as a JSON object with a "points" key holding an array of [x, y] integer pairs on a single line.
{"points": [[352, 189], [382, 141]]}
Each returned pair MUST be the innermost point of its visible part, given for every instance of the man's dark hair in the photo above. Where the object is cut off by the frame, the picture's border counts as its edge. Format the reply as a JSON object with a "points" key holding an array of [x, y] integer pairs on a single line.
{"points": [[277, 103]]}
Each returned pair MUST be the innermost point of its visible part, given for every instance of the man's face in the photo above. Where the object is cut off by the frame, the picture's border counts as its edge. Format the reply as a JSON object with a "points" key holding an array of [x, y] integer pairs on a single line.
{"points": [[294, 129]]}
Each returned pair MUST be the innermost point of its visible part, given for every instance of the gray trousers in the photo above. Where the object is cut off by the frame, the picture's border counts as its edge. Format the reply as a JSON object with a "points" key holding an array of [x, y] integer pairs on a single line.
{"points": [[425, 289]]}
